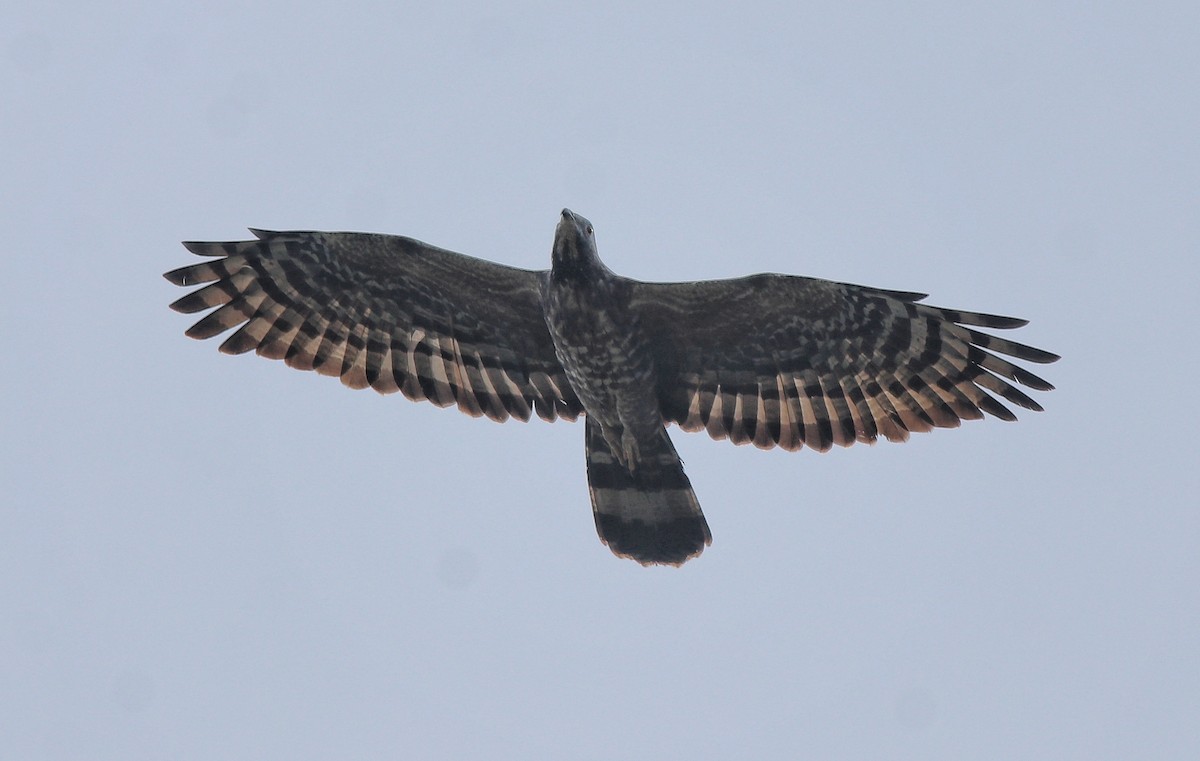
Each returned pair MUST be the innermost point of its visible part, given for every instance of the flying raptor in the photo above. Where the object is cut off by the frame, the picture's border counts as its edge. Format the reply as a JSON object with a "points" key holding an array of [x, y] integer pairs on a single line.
{"points": [[772, 360]]}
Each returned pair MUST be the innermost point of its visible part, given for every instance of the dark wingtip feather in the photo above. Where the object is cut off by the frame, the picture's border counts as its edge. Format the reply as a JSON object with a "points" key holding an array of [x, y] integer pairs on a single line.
{"points": [[1019, 397], [997, 321], [1041, 356], [989, 405], [1022, 375], [191, 303], [977, 319], [205, 248], [240, 342], [902, 295], [177, 277], [1011, 348], [207, 327]]}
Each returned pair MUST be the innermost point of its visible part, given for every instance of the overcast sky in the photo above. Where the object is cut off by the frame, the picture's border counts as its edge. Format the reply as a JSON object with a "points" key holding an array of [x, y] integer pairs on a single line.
{"points": [[205, 557]]}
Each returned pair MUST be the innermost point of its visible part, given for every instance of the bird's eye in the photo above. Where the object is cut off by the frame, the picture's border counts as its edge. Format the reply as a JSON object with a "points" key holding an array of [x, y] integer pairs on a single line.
{"points": [[589, 229]]}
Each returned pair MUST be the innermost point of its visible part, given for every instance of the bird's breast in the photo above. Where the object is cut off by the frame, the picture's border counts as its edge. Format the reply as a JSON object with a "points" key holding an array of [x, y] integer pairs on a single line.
{"points": [[601, 347]]}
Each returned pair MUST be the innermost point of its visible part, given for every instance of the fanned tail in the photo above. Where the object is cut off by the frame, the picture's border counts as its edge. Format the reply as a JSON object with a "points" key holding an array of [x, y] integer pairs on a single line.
{"points": [[650, 515]]}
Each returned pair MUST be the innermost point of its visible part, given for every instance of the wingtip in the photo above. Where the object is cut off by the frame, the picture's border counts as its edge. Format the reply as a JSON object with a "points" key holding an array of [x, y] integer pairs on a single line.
{"points": [[177, 276], [1003, 322], [203, 248], [1041, 356], [913, 296]]}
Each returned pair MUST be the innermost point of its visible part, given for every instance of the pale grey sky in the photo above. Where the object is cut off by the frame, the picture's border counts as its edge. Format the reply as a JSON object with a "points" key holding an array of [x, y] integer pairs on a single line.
{"points": [[209, 557]]}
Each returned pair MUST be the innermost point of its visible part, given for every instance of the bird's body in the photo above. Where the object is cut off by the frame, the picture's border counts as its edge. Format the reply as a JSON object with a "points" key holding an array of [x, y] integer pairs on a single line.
{"points": [[600, 342], [643, 503], [773, 360]]}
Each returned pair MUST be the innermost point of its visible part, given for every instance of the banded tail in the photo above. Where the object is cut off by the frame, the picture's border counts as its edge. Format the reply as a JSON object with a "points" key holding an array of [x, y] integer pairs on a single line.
{"points": [[651, 515]]}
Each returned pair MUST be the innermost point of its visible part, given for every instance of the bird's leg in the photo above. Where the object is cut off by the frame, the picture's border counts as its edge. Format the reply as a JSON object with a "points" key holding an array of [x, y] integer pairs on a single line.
{"points": [[624, 446], [629, 450]]}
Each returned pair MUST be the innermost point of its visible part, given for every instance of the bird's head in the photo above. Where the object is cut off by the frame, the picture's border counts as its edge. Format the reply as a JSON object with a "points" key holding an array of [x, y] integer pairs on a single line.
{"points": [[574, 254]]}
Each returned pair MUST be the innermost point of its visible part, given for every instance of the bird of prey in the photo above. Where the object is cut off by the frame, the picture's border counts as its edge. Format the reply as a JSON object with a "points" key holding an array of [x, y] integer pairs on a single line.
{"points": [[772, 360]]}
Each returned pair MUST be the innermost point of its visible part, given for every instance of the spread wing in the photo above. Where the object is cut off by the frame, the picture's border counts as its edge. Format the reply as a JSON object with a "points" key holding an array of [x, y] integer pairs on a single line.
{"points": [[793, 361], [386, 312]]}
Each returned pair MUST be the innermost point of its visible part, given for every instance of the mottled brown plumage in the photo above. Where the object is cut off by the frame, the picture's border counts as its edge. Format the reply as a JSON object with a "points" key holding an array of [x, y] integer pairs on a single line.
{"points": [[773, 360], [386, 312]]}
